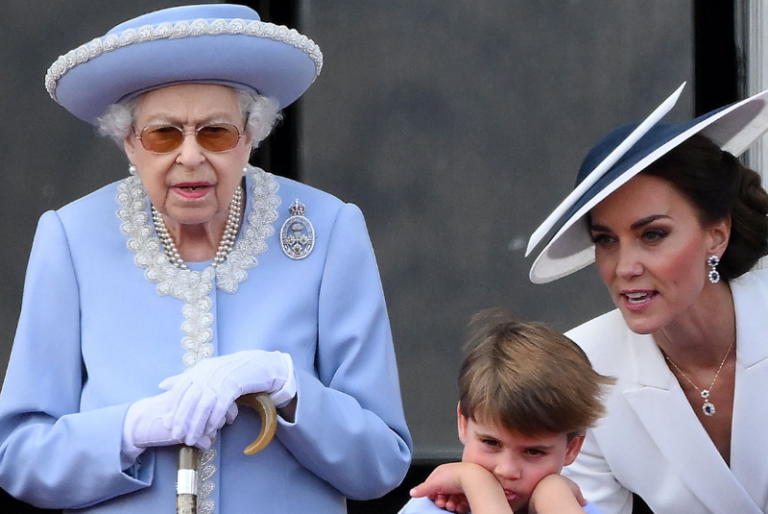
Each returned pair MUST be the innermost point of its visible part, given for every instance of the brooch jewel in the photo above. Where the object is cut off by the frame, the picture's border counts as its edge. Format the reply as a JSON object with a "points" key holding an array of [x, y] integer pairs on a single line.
{"points": [[297, 236]]}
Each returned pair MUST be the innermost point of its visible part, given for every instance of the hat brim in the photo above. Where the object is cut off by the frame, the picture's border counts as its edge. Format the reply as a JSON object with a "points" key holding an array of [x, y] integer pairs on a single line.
{"points": [[733, 129], [603, 167], [221, 44]]}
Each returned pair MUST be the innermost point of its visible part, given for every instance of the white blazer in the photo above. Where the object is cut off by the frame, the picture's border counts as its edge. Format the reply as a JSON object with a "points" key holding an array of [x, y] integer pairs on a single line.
{"points": [[651, 442]]}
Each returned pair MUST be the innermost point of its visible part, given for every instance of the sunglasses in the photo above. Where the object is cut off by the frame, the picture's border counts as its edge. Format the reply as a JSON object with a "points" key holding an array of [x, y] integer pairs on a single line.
{"points": [[215, 138]]}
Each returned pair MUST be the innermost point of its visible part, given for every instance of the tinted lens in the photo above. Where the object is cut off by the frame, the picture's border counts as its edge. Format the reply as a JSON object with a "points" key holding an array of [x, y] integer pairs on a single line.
{"points": [[219, 137], [161, 138]]}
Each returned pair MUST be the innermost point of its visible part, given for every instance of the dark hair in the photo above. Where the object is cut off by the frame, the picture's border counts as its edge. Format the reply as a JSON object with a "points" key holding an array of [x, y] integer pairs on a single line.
{"points": [[527, 377], [718, 185]]}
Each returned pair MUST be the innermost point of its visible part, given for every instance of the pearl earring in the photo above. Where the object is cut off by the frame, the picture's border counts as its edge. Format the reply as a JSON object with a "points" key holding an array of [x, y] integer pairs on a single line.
{"points": [[132, 169], [245, 170], [714, 275]]}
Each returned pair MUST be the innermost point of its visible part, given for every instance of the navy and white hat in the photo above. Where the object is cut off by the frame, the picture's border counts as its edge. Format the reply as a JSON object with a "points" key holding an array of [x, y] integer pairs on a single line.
{"points": [[218, 44], [621, 155]]}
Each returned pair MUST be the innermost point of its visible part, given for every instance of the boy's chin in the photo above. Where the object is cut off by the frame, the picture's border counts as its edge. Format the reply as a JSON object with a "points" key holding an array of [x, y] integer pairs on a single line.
{"points": [[518, 505]]}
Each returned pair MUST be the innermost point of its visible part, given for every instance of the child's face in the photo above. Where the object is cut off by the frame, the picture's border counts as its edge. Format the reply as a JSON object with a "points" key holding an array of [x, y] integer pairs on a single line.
{"points": [[518, 462]]}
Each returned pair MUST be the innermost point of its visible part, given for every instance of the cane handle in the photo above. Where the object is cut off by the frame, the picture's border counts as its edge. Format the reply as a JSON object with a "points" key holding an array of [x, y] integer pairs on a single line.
{"points": [[261, 403]]}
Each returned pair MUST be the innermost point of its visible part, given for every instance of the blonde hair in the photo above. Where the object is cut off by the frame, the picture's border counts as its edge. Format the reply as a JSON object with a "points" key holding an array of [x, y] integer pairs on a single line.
{"points": [[527, 378]]}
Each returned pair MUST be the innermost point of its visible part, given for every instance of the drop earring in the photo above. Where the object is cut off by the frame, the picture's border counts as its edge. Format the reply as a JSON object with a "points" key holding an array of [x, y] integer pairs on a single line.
{"points": [[132, 169], [712, 262]]}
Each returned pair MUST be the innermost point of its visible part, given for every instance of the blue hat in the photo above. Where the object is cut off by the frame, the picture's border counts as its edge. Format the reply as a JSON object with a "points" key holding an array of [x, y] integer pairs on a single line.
{"points": [[621, 155], [219, 44]]}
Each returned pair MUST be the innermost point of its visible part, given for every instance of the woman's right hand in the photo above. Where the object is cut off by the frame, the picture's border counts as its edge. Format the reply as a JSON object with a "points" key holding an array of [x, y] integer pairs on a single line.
{"points": [[204, 395], [144, 427]]}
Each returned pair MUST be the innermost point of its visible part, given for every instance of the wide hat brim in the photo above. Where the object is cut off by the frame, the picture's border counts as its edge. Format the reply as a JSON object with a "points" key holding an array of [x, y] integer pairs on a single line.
{"points": [[620, 156], [219, 44]]}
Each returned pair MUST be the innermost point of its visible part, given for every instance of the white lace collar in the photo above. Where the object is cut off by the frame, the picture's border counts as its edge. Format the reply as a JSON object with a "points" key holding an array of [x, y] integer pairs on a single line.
{"points": [[143, 241], [193, 287]]}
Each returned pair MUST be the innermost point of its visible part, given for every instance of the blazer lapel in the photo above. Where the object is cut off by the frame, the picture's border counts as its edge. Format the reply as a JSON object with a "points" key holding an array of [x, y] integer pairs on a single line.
{"points": [[749, 439], [669, 420]]}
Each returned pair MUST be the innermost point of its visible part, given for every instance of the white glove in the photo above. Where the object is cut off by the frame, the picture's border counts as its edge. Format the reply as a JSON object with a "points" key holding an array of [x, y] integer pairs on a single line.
{"points": [[143, 427], [204, 394]]}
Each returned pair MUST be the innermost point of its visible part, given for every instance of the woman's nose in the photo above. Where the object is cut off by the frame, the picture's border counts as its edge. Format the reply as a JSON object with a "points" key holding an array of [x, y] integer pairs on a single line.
{"points": [[190, 153], [628, 264]]}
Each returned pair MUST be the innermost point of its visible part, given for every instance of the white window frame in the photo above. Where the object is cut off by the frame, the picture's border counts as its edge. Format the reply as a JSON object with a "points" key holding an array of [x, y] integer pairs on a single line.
{"points": [[751, 39], [751, 18]]}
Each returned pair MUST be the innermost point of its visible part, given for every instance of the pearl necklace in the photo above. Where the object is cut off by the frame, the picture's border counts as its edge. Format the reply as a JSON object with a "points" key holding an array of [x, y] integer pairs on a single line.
{"points": [[227, 240], [708, 407]]}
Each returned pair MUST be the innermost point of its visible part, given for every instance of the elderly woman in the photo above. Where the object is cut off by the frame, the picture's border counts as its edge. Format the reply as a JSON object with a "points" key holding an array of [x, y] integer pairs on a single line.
{"points": [[152, 304], [674, 223]]}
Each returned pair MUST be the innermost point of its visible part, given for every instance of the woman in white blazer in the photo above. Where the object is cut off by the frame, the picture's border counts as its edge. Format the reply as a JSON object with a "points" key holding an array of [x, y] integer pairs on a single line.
{"points": [[674, 223]]}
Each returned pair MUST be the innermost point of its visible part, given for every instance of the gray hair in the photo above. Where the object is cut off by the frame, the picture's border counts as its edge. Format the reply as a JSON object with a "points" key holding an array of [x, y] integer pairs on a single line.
{"points": [[262, 113]]}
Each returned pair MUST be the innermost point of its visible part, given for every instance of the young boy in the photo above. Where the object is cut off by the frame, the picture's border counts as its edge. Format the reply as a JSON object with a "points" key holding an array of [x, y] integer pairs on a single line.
{"points": [[526, 396]]}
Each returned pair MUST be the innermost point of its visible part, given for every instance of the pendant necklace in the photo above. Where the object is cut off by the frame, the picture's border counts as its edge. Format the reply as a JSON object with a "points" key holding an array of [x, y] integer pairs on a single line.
{"points": [[227, 239], [707, 407]]}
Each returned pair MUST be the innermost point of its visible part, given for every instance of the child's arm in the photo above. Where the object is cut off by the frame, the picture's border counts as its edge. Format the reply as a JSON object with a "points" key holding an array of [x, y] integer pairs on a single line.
{"points": [[554, 494], [483, 491]]}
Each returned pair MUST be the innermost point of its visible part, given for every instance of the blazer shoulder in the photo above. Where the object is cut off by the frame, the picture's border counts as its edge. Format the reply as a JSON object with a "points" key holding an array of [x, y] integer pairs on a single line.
{"points": [[593, 331], [99, 203], [755, 278], [326, 212], [604, 339], [291, 190]]}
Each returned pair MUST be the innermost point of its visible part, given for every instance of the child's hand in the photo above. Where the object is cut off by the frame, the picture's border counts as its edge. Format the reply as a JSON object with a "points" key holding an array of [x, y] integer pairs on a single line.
{"points": [[444, 481], [557, 495], [452, 502], [459, 485]]}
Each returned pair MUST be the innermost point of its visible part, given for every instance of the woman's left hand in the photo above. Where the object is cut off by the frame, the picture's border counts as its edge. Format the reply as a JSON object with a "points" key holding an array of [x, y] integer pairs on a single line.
{"points": [[205, 393]]}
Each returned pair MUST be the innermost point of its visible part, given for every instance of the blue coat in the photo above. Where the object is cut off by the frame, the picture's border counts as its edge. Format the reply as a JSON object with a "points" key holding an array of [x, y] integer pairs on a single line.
{"points": [[95, 335]]}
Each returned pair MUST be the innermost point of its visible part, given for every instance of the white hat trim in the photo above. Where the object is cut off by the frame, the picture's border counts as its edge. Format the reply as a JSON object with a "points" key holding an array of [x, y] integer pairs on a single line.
{"points": [[182, 29], [603, 168], [585, 257]]}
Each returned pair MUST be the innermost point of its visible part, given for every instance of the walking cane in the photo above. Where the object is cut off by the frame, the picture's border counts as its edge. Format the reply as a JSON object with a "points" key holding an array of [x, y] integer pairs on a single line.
{"points": [[186, 485]]}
